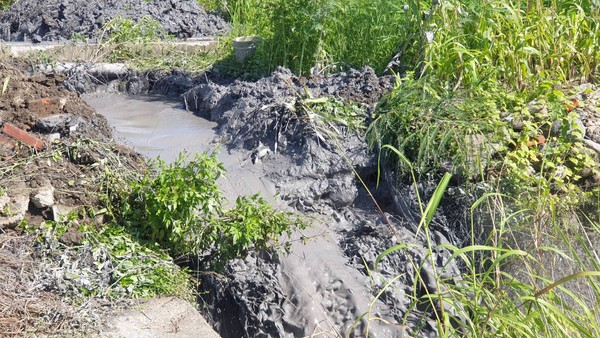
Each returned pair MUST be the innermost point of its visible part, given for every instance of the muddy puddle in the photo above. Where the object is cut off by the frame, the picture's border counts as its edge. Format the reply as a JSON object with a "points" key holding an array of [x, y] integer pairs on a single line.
{"points": [[154, 125], [159, 127], [316, 290]]}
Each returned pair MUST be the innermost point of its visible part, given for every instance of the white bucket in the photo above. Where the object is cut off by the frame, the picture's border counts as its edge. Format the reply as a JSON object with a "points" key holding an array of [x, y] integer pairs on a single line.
{"points": [[244, 46]]}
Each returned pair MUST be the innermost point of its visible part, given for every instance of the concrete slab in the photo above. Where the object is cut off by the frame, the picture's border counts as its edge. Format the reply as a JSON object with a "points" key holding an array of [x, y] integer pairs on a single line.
{"points": [[69, 51], [167, 317]]}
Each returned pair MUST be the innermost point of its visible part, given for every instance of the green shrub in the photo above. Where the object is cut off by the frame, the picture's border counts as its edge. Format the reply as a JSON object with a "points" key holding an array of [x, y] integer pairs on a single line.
{"points": [[179, 206], [175, 207], [5, 4]]}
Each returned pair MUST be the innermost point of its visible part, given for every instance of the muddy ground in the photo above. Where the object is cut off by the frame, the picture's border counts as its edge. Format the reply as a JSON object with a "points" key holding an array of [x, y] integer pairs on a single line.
{"points": [[322, 286], [58, 20], [260, 296]]}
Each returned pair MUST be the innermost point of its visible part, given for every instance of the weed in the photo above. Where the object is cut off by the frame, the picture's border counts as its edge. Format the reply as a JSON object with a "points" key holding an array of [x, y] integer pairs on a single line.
{"points": [[180, 207], [127, 36], [306, 35], [135, 270], [5, 4], [333, 118], [126, 30], [507, 289], [176, 207]]}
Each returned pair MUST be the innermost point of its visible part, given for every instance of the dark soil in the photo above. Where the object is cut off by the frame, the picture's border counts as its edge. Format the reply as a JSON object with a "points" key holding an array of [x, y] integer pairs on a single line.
{"points": [[57, 20]]}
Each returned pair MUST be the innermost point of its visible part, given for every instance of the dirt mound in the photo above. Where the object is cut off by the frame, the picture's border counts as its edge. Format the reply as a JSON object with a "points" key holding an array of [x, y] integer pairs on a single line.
{"points": [[56, 20], [53, 150], [267, 107]]}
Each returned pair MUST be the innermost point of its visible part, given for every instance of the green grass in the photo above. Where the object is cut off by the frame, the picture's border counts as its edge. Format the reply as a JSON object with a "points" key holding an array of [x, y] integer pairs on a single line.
{"points": [[482, 66], [537, 281], [5, 4], [302, 34]]}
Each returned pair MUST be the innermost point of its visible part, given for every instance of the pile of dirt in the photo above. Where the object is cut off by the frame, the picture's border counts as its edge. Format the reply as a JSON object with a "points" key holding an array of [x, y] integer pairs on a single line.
{"points": [[57, 20], [53, 151]]}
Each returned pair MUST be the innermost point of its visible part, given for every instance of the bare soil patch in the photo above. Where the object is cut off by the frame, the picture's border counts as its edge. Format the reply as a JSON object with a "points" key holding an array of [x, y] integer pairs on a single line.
{"points": [[47, 183]]}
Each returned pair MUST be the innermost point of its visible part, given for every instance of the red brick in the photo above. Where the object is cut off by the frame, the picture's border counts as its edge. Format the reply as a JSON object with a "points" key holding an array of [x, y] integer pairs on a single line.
{"points": [[46, 106], [23, 136]]}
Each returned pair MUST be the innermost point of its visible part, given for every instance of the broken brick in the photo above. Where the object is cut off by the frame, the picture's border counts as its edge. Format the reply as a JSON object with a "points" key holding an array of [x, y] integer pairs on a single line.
{"points": [[23, 136], [47, 106]]}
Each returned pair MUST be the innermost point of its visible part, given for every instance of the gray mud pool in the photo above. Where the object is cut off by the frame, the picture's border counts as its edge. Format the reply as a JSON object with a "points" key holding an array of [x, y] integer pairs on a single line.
{"points": [[156, 126], [321, 288]]}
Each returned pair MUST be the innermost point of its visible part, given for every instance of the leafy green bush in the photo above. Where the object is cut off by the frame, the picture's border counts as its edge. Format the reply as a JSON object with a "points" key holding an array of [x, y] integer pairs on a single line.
{"points": [[179, 206], [175, 207], [252, 223]]}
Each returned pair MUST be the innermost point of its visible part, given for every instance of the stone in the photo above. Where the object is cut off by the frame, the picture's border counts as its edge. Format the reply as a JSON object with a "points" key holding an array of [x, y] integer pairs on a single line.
{"points": [[54, 137], [44, 197], [54, 123], [61, 212], [12, 210]]}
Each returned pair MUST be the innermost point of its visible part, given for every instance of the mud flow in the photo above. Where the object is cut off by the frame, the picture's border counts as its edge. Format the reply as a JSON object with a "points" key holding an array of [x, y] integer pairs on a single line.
{"points": [[323, 286]]}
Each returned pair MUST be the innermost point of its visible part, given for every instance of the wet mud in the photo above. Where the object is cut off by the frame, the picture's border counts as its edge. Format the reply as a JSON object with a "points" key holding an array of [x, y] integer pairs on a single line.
{"points": [[329, 280]]}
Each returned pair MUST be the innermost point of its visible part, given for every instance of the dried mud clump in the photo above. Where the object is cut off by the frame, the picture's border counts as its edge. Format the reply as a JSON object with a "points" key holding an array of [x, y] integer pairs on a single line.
{"points": [[57, 20]]}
